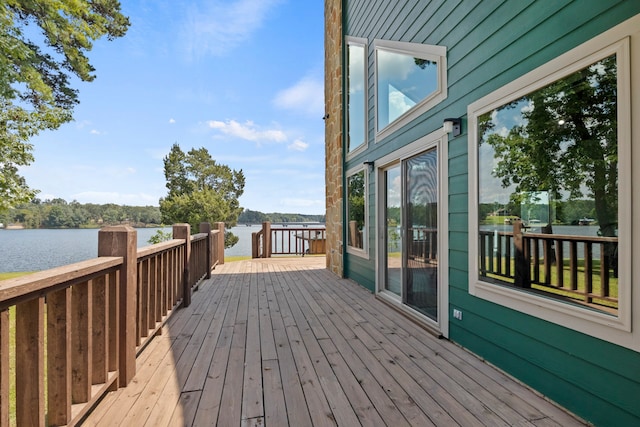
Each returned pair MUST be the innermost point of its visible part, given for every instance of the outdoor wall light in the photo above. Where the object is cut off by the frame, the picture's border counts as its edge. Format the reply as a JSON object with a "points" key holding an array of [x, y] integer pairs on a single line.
{"points": [[453, 126], [369, 163]]}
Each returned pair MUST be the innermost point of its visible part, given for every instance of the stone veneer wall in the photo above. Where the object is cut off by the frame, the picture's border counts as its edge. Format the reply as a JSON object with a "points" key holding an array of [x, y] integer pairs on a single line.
{"points": [[333, 133]]}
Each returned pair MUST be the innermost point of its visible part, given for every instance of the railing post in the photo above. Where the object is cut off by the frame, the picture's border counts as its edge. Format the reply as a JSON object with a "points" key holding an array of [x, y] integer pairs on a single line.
{"points": [[122, 241], [220, 242], [205, 227], [266, 239], [255, 242], [522, 274], [183, 232]]}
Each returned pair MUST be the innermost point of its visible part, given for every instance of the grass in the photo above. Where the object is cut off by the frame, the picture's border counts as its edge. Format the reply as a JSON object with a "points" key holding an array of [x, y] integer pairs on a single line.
{"points": [[553, 288], [497, 220], [5, 276], [236, 258]]}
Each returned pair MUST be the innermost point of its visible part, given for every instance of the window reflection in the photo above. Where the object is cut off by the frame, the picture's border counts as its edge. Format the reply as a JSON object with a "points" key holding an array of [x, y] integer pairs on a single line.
{"points": [[356, 97], [403, 81], [548, 162], [356, 210]]}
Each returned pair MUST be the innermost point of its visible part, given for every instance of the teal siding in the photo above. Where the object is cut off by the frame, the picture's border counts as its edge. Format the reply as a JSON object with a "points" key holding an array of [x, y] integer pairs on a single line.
{"points": [[489, 44]]}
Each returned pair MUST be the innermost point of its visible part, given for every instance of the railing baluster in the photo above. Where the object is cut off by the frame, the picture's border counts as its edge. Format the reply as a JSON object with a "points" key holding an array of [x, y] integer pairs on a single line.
{"points": [[499, 254], [588, 271], [59, 356], [152, 295], [100, 341], [535, 254], [573, 265], [507, 261], [604, 271], [560, 263], [4, 367], [81, 341], [547, 250], [114, 322], [30, 363], [142, 316], [483, 255]]}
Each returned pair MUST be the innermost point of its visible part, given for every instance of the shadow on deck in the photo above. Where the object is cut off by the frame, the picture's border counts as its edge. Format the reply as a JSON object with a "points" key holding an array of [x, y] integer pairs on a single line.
{"points": [[282, 341]]}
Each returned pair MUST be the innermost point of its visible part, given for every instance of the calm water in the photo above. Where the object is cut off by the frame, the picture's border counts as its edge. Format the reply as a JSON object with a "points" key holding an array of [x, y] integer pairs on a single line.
{"points": [[32, 250]]}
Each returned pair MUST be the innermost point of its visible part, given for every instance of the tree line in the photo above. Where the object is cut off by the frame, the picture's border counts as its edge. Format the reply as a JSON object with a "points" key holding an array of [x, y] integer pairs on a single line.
{"points": [[57, 213], [255, 217]]}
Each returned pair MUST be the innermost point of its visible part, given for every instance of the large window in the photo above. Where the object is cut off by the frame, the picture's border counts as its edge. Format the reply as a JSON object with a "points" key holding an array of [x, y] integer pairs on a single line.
{"points": [[357, 212], [410, 79], [356, 93], [550, 217]]}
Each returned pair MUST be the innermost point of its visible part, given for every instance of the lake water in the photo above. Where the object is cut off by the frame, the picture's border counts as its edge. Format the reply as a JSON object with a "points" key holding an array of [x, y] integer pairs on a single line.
{"points": [[33, 250]]}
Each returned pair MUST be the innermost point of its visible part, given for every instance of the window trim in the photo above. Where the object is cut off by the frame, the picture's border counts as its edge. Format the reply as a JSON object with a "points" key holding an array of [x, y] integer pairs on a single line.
{"points": [[623, 329], [364, 43], [364, 252], [424, 51]]}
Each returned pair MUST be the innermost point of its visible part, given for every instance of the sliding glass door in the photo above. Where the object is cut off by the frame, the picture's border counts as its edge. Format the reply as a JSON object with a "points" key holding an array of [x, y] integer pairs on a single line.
{"points": [[410, 220], [421, 231]]}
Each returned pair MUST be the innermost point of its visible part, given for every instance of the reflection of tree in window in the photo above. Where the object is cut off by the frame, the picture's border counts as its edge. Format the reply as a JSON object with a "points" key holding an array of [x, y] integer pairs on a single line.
{"points": [[563, 140], [424, 63], [355, 190]]}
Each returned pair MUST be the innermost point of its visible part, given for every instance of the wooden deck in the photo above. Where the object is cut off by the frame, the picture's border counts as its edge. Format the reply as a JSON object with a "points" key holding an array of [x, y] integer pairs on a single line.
{"points": [[279, 342]]}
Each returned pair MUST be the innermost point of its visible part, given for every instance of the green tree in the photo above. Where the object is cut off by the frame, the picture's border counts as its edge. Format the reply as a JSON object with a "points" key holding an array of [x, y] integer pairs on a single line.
{"points": [[201, 190], [35, 90], [567, 141]]}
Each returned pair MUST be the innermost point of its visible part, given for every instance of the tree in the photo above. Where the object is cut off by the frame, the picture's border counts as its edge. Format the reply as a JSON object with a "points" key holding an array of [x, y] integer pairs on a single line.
{"points": [[201, 190], [35, 90], [566, 143]]}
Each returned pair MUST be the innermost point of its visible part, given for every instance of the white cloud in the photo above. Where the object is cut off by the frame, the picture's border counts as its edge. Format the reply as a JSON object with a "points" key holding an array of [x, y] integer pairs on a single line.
{"points": [[219, 27], [95, 132], [298, 145], [172, 121], [82, 124], [247, 131], [306, 95]]}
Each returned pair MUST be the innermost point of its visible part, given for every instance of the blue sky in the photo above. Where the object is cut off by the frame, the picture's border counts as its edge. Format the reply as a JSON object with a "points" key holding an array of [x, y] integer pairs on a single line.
{"points": [[242, 78]]}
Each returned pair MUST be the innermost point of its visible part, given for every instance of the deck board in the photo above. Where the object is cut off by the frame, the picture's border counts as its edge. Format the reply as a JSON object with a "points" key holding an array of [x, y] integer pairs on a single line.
{"points": [[283, 341]]}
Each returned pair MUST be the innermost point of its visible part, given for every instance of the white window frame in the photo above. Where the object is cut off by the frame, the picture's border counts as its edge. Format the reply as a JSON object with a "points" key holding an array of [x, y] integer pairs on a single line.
{"points": [[364, 252], [623, 329], [364, 43], [423, 51]]}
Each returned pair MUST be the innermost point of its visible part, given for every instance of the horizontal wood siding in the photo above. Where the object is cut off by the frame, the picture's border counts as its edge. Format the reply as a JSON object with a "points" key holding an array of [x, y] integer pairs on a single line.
{"points": [[489, 44]]}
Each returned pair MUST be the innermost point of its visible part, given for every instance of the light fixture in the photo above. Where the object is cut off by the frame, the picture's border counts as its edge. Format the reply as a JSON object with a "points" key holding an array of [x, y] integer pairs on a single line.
{"points": [[453, 126], [369, 163]]}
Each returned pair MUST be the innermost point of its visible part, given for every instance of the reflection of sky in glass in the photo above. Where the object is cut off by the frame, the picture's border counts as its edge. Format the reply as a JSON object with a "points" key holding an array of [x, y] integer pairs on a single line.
{"points": [[402, 84], [490, 188], [356, 120], [394, 187]]}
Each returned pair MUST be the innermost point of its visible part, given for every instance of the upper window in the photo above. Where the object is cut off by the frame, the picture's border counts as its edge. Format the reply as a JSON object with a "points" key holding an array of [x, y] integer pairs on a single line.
{"points": [[356, 93], [549, 191], [356, 212], [410, 79]]}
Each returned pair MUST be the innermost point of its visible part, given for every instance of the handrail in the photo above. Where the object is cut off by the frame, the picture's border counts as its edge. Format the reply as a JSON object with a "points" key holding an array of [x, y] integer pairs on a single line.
{"points": [[84, 314]]}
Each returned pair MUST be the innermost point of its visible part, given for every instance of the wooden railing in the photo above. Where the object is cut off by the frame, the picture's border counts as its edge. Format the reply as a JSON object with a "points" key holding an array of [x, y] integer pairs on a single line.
{"points": [[78, 328], [582, 268], [287, 241], [424, 244]]}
